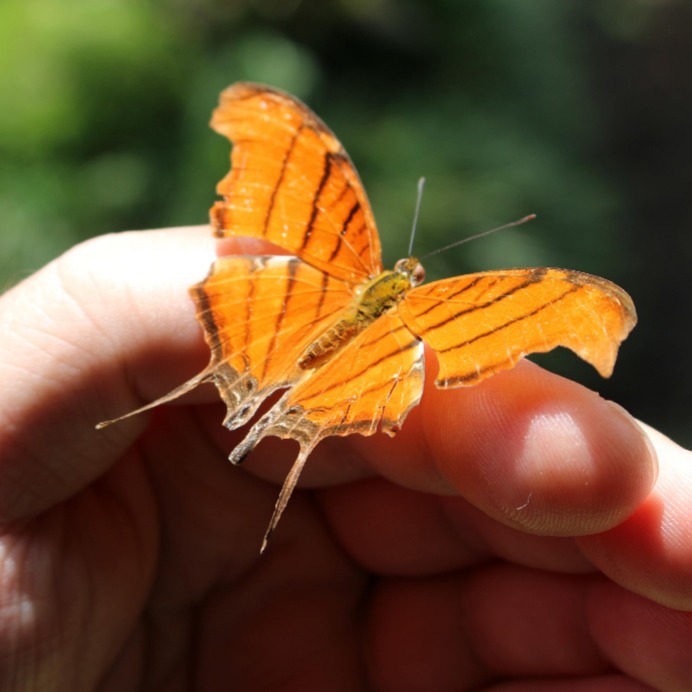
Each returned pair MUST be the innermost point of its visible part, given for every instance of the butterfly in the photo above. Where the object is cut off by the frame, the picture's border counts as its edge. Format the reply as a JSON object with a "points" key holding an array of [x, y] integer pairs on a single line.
{"points": [[327, 324]]}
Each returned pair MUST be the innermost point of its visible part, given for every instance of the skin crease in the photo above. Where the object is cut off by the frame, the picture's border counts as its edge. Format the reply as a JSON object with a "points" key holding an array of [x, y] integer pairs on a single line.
{"points": [[520, 535]]}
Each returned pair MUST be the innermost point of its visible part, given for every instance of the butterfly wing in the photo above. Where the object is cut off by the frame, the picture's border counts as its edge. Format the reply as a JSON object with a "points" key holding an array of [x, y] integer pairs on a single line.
{"points": [[479, 324], [259, 314], [372, 384], [292, 183]]}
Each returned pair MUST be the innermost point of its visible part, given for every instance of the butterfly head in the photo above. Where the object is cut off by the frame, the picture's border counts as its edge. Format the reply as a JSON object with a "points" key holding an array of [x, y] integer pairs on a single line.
{"points": [[412, 269]]}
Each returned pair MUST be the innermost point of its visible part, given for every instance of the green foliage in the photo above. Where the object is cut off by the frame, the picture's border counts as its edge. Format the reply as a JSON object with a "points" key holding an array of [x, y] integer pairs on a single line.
{"points": [[106, 104], [503, 106], [89, 93]]}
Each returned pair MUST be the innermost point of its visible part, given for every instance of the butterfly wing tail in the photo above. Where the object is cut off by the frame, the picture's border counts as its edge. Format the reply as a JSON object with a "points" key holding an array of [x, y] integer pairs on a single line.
{"points": [[288, 423], [286, 492], [371, 385], [204, 376]]}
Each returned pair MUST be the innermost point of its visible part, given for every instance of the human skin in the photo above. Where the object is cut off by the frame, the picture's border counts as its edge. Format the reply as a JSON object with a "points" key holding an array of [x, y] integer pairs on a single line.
{"points": [[523, 534]]}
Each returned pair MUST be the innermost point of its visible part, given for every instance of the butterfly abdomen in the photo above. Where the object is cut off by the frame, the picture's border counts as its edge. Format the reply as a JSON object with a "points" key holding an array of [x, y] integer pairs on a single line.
{"points": [[376, 297]]}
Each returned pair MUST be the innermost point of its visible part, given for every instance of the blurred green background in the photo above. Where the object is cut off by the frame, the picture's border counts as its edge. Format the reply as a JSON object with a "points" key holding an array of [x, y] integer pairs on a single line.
{"points": [[579, 111]]}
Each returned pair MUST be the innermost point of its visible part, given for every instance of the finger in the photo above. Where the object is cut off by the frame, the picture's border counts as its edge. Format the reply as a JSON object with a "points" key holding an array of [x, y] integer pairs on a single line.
{"points": [[647, 640], [534, 451], [396, 531], [104, 327], [469, 629], [651, 552]]}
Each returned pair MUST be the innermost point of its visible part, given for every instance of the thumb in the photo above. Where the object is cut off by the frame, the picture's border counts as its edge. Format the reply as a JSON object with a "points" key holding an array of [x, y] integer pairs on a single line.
{"points": [[89, 335]]}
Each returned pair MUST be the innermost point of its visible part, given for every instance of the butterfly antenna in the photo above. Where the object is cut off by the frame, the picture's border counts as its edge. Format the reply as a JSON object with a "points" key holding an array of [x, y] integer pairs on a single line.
{"points": [[421, 185], [518, 222]]}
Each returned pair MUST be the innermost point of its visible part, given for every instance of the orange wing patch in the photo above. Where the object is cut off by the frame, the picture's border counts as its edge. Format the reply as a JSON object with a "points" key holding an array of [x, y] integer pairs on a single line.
{"points": [[292, 183], [343, 338], [259, 315], [376, 380], [479, 324]]}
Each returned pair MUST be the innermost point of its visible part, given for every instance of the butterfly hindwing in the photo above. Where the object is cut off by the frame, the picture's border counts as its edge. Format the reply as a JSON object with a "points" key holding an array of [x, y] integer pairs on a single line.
{"points": [[259, 314], [372, 384]]}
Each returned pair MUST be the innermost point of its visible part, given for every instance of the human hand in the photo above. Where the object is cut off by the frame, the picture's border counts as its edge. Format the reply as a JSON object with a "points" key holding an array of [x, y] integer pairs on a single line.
{"points": [[508, 535]]}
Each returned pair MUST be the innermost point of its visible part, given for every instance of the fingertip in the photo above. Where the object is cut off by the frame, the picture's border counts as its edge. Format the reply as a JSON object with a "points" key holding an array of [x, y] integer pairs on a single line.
{"points": [[649, 553], [538, 452]]}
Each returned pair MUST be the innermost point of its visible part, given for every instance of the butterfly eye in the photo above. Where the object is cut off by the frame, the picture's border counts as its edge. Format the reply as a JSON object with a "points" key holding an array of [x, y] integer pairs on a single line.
{"points": [[412, 268], [418, 274]]}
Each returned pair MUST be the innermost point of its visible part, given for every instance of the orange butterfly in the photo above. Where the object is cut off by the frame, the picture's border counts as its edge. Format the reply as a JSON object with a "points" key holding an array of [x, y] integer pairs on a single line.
{"points": [[343, 337]]}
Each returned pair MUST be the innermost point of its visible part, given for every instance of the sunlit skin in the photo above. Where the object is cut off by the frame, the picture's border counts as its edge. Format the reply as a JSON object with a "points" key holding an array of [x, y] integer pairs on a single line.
{"points": [[523, 534]]}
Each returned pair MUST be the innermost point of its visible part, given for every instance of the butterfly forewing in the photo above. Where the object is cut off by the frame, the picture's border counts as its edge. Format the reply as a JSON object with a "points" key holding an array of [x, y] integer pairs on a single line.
{"points": [[479, 324], [292, 183]]}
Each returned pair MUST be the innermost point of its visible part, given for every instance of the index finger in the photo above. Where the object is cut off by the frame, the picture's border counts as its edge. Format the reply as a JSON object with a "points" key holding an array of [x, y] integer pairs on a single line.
{"points": [[537, 454]]}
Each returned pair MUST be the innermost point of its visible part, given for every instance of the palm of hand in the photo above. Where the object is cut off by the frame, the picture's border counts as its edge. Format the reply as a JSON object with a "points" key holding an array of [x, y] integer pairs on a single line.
{"points": [[443, 559]]}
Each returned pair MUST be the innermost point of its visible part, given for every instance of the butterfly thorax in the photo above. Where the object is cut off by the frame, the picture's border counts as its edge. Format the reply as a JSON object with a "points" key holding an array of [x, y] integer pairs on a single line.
{"points": [[371, 300]]}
